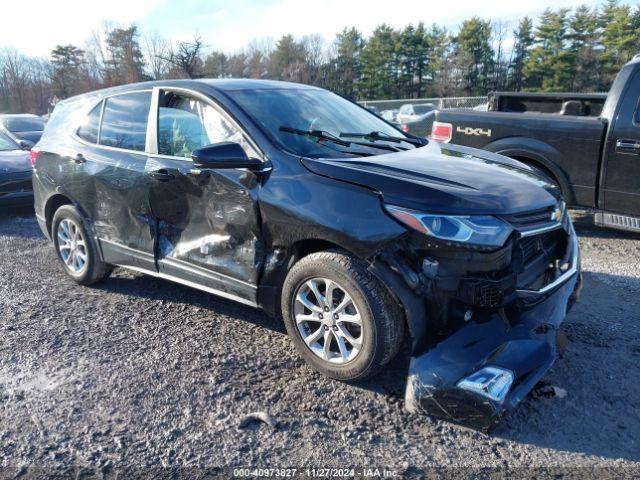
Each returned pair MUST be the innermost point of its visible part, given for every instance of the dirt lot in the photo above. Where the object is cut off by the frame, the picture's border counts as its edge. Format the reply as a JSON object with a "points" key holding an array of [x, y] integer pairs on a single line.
{"points": [[139, 372]]}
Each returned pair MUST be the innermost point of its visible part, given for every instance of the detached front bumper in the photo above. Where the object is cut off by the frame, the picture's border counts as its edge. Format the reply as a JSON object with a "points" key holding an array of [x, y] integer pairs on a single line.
{"points": [[519, 339]]}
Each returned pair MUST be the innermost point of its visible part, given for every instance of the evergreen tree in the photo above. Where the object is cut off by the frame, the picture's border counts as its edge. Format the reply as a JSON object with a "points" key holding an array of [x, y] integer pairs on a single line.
{"points": [[66, 70], [216, 65], [474, 55], [549, 65], [523, 39], [440, 67], [584, 49], [379, 66], [620, 38], [346, 65], [412, 54], [125, 61]]}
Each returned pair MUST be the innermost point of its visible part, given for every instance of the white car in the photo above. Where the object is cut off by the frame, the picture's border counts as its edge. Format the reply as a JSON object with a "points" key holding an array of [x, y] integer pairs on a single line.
{"points": [[410, 112]]}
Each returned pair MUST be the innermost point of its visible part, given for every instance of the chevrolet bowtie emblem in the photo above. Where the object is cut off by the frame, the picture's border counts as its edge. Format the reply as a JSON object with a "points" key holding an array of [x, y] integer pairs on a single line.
{"points": [[556, 215]]}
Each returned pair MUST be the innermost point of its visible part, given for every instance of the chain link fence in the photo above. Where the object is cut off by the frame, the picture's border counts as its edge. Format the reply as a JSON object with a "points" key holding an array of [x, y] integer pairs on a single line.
{"points": [[440, 103]]}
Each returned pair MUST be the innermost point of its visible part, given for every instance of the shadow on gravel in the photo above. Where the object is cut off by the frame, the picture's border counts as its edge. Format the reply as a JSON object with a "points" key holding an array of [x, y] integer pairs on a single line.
{"points": [[164, 290], [19, 222], [391, 381], [599, 369], [600, 375]]}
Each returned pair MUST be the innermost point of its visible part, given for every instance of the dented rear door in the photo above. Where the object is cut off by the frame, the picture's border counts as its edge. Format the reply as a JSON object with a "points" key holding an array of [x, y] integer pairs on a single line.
{"points": [[207, 228]]}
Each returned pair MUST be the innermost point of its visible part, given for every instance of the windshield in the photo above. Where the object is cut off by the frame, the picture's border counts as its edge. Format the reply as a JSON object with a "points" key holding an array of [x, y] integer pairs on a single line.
{"points": [[23, 124], [287, 113], [420, 109], [7, 144]]}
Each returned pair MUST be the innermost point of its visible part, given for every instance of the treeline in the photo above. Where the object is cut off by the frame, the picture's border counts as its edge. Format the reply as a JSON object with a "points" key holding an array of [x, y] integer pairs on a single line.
{"points": [[578, 49]]}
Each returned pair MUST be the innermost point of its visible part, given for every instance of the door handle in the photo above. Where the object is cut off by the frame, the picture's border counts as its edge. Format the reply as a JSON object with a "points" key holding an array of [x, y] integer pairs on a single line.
{"points": [[628, 146], [162, 175], [79, 158]]}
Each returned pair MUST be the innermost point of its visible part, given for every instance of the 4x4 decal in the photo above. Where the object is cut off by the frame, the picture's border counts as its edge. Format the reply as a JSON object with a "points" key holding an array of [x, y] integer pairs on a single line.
{"points": [[474, 131]]}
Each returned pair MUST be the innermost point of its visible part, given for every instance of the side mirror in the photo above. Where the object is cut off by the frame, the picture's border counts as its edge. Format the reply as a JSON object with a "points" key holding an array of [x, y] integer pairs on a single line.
{"points": [[224, 155], [26, 144]]}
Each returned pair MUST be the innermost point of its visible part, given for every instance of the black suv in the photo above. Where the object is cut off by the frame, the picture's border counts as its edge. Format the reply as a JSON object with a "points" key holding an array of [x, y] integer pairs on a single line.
{"points": [[296, 200]]}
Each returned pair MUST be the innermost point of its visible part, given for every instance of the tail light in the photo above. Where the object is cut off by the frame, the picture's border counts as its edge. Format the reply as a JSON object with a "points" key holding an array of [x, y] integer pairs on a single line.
{"points": [[33, 155], [441, 132], [404, 127]]}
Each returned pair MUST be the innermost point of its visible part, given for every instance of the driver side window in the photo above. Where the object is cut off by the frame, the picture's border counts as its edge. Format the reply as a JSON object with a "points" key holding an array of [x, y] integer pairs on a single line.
{"points": [[186, 123]]}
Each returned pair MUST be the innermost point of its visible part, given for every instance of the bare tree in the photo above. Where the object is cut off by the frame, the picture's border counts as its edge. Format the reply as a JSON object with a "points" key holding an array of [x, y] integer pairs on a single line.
{"points": [[95, 57], [40, 89], [258, 55], [157, 51], [186, 57], [316, 54], [15, 73], [500, 33]]}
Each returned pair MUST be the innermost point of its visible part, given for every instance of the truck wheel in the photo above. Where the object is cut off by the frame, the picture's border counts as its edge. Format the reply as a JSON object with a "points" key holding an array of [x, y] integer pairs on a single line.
{"points": [[342, 320], [76, 249]]}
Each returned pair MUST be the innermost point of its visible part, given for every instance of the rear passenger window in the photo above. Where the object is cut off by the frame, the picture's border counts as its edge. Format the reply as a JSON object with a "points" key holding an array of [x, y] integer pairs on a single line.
{"points": [[124, 122], [89, 129]]}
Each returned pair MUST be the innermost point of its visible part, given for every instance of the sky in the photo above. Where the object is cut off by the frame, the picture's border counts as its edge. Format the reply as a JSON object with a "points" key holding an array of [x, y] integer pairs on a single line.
{"points": [[36, 26]]}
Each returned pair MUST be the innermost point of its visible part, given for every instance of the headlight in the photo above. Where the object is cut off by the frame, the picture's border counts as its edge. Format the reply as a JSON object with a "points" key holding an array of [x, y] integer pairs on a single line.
{"points": [[481, 230]]}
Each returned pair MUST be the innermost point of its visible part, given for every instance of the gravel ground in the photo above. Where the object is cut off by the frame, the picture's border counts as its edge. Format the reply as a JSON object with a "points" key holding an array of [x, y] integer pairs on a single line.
{"points": [[139, 372]]}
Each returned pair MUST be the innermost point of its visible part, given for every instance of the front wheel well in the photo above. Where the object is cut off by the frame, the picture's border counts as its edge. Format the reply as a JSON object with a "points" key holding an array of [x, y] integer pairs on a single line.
{"points": [[306, 247]]}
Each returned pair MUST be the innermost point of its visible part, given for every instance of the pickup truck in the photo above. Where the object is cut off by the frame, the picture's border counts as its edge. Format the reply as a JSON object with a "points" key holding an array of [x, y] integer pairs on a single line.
{"points": [[594, 160]]}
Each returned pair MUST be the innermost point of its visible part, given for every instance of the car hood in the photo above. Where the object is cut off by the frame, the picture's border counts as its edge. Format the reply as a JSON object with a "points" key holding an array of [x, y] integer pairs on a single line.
{"points": [[14, 161], [444, 178]]}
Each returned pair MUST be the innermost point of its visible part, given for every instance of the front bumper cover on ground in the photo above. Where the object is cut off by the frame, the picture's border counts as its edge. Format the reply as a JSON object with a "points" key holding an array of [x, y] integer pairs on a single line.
{"points": [[520, 340]]}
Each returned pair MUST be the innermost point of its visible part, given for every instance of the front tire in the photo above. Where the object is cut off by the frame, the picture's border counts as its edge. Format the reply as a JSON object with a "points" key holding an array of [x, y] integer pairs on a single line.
{"points": [[75, 248], [343, 321]]}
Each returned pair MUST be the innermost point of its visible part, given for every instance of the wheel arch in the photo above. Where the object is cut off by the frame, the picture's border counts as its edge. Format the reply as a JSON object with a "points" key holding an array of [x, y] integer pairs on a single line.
{"points": [[54, 202], [537, 154], [412, 305], [278, 263]]}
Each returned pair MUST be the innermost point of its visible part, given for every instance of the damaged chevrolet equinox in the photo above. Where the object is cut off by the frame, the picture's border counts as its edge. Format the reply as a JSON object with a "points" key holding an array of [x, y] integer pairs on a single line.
{"points": [[293, 199]]}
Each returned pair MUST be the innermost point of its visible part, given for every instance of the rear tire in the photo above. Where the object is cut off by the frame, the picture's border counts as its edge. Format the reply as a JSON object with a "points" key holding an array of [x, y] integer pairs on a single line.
{"points": [[330, 297], [76, 249]]}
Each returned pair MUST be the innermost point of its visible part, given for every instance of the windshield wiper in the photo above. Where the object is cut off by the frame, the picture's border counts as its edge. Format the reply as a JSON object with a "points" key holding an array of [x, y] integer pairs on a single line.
{"points": [[319, 134], [322, 135], [381, 136]]}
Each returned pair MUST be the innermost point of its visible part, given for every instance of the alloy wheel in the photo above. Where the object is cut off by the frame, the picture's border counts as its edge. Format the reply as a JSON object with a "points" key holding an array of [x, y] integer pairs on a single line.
{"points": [[72, 246], [328, 320]]}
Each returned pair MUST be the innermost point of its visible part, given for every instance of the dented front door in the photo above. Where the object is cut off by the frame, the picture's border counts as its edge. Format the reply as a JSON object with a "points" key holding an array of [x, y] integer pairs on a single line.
{"points": [[207, 230]]}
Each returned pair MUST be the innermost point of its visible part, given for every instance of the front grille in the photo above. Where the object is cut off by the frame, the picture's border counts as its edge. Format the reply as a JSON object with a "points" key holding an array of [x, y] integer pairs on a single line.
{"points": [[538, 255], [532, 219], [531, 247]]}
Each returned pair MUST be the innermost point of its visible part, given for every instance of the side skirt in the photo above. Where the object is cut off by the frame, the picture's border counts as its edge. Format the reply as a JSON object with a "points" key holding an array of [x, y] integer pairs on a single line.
{"points": [[187, 283]]}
